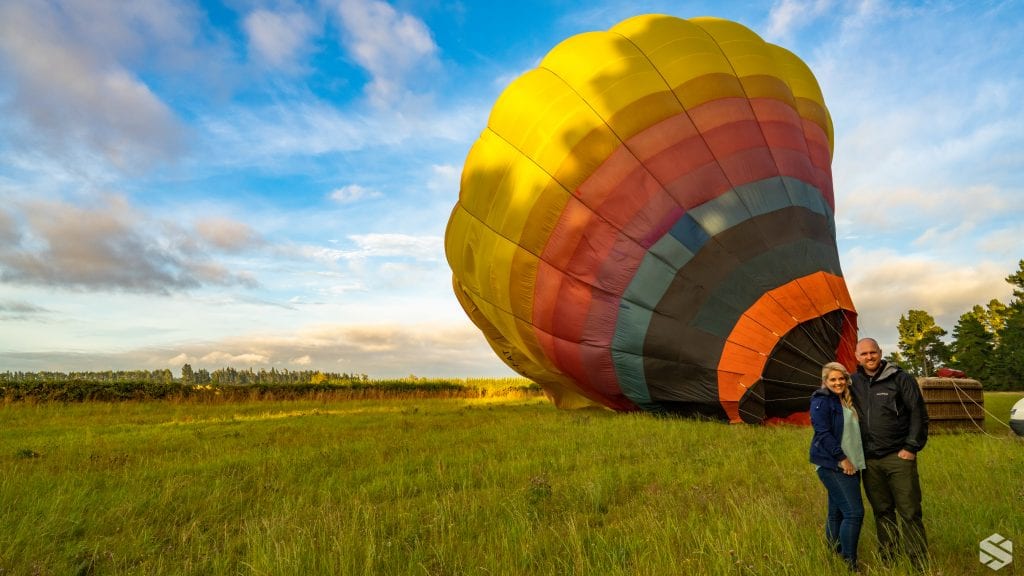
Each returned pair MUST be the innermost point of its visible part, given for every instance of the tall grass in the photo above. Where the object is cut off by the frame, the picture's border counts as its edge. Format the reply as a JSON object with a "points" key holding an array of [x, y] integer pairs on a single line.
{"points": [[452, 486]]}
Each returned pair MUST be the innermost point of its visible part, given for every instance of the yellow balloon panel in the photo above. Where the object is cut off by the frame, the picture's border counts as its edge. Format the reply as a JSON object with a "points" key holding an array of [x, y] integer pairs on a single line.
{"points": [[806, 91], [515, 357], [523, 281], [525, 357], [498, 276], [613, 76], [480, 264], [545, 120], [544, 217], [460, 243], [479, 185], [511, 182], [746, 51], [680, 50]]}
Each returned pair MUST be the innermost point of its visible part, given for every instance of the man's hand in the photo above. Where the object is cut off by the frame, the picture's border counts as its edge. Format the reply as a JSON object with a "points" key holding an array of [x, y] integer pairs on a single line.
{"points": [[906, 455]]}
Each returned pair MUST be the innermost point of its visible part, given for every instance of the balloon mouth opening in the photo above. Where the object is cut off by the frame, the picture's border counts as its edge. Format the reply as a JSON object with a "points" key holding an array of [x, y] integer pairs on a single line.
{"points": [[793, 369]]}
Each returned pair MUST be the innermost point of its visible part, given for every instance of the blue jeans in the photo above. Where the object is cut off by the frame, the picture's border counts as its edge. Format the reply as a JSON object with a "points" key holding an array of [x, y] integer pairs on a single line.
{"points": [[845, 512]]}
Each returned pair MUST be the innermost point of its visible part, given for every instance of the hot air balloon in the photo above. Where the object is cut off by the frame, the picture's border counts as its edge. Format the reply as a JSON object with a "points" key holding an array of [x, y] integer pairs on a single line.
{"points": [[647, 223]]}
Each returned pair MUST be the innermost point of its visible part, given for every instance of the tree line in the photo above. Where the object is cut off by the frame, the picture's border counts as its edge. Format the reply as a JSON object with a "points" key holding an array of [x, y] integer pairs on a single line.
{"points": [[189, 377], [987, 342]]}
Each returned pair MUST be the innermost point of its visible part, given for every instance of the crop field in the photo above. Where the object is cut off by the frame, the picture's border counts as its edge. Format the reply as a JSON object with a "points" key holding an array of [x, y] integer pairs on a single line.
{"points": [[449, 486]]}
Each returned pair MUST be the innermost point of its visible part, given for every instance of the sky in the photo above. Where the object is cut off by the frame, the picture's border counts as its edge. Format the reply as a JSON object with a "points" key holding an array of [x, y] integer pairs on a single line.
{"points": [[267, 183]]}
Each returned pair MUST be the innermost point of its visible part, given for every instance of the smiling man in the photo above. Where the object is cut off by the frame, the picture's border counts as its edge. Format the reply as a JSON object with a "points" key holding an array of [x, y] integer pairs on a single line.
{"points": [[894, 428]]}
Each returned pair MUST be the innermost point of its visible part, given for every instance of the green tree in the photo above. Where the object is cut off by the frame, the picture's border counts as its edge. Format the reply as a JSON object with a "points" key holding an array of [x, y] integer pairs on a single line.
{"points": [[921, 342], [993, 317], [972, 347], [894, 357], [188, 378], [202, 376], [1017, 280], [1007, 367]]}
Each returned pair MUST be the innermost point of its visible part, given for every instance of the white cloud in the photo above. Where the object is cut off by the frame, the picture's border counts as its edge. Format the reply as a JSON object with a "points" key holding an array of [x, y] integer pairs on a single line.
{"points": [[1003, 242], [445, 178], [21, 310], [304, 128], [424, 248], [221, 358], [352, 193], [885, 284], [915, 210], [73, 98], [938, 237], [227, 234], [367, 246], [105, 244], [787, 16], [394, 47], [279, 39]]}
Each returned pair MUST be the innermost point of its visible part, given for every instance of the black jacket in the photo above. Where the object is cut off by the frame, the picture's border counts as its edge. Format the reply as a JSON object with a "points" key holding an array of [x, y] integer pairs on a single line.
{"points": [[892, 411]]}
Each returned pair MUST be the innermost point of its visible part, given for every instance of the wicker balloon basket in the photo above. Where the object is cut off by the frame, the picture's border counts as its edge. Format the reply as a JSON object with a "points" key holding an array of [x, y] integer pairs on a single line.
{"points": [[953, 403]]}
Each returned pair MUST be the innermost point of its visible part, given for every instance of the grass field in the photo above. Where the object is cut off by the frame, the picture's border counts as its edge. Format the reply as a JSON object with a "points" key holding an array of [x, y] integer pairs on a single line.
{"points": [[453, 486]]}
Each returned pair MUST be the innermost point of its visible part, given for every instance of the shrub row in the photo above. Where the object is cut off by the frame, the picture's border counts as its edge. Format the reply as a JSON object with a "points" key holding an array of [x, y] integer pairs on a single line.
{"points": [[77, 390]]}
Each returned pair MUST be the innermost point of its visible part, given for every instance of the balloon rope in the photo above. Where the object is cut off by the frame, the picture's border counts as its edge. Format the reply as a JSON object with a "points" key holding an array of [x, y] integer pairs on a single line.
{"points": [[791, 398], [816, 360], [825, 353], [961, 394]]}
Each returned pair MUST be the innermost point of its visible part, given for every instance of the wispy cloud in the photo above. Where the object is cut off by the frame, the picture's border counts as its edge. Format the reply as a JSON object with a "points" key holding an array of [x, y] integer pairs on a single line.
{"points": [[394, 47], [885, 284], [444, 178], [788, 16], [72, 94], [20, 310], [305, 127], [280, 38], [104, 246], [380, 246], [914, 210], [227, 235], [352, 193], [427, 248]]}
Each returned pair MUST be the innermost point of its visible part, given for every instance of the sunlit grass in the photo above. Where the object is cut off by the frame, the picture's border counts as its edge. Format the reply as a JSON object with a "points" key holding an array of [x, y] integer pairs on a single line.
{"points": [[451, 486]]}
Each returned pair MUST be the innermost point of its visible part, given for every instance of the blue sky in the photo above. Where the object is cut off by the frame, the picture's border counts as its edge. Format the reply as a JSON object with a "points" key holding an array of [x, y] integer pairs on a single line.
{"points": [[265, 184]]}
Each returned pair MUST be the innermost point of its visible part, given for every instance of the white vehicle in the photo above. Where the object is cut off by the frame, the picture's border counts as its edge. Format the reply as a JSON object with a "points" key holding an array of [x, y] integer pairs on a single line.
{"points": [[1017, 417]]}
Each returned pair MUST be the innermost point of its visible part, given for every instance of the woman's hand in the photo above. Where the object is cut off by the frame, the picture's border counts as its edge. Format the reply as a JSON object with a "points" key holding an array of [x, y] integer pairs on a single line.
{"points": [[847, 467]]}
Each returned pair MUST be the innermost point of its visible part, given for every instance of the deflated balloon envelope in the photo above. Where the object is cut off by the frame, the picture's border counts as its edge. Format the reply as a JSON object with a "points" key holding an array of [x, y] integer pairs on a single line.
{"points": [[647, 222]]}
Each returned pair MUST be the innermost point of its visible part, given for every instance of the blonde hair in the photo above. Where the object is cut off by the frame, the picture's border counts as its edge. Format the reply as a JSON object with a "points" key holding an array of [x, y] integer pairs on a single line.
{"points": [[845, 397]]}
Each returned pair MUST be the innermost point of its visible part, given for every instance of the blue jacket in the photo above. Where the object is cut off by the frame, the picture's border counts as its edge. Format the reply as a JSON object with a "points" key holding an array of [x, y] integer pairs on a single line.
{"points": [[827, 421]]}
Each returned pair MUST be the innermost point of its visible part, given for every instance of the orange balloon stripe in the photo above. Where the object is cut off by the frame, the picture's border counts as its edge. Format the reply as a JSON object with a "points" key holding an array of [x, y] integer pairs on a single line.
{"points": [[740, 366]]}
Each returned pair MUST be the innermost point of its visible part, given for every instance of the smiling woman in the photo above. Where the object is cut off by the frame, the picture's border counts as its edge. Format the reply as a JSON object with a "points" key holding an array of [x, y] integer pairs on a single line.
{"points": [[648, 223]]}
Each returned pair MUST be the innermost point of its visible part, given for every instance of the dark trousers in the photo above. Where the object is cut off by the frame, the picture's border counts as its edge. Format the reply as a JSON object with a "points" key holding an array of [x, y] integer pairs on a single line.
{"points": [[845, 512], [894, 491]]}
